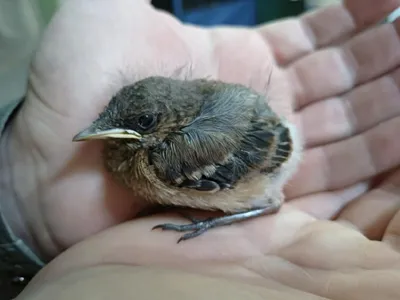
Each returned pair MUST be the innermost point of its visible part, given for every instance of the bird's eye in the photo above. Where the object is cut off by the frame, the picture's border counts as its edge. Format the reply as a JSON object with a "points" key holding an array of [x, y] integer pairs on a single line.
{"points": [[147, 121]]}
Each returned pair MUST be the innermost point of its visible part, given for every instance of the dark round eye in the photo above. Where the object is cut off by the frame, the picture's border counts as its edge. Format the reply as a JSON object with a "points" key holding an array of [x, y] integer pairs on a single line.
{"points": [[147, 121]]}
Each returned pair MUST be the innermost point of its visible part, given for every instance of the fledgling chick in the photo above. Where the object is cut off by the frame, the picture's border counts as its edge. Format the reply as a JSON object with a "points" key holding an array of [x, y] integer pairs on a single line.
{"points": [[201, 144]]}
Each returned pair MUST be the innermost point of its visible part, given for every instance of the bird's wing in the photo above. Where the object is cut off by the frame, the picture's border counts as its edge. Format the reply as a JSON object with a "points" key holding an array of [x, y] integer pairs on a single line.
{"points": [[206, 161]]}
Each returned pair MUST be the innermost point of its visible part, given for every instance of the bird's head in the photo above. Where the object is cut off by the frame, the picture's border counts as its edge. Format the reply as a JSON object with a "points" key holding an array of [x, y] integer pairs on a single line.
{"points": [[142, 115]]}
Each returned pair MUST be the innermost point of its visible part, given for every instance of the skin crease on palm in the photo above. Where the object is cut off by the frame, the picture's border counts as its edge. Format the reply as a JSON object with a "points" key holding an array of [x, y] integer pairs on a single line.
{"points": [[328, 71]]}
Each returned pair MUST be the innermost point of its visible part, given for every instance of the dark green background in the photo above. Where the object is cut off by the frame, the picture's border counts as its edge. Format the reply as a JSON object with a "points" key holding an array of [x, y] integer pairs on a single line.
{"points": [[268, 10]]}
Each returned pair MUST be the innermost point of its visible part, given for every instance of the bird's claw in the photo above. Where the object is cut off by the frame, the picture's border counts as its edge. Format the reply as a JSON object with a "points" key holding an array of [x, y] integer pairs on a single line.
{"points": [[198, 226]]}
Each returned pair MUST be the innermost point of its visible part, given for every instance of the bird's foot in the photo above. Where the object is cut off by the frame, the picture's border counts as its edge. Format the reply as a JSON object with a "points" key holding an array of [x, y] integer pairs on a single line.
{"points": [[198, 226]]}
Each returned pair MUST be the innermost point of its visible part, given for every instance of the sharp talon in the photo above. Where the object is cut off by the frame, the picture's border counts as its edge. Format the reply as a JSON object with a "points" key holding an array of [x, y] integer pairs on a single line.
{"points": [[161, 226], [193, 234], [169, 226]]}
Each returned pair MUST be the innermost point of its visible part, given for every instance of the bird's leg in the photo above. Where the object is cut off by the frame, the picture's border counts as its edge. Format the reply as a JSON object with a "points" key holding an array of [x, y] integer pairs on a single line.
{"points": [[198, 226]]}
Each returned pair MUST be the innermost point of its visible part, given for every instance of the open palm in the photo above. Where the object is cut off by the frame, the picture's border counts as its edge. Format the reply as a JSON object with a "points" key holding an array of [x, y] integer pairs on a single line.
{"points": [[323, 71]]}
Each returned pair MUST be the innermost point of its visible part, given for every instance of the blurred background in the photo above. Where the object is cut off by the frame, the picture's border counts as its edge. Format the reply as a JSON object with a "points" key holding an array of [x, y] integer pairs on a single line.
{"points": [[23, 21]]}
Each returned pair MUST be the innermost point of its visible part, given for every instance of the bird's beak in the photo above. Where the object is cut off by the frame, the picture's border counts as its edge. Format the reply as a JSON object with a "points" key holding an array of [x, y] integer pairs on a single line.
{"points": [[93, 134]]}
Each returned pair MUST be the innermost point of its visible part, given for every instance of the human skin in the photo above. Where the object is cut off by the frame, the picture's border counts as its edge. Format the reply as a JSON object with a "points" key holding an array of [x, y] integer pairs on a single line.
{"points": [[350, 171], [302, 258]]}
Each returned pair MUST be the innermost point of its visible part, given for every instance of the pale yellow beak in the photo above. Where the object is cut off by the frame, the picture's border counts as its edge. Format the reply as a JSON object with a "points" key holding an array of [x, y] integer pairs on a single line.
{"points": [[90, 134]]}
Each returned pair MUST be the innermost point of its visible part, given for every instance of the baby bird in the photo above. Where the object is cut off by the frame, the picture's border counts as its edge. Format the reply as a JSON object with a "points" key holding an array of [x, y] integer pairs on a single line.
{"points": [[203, 144]]}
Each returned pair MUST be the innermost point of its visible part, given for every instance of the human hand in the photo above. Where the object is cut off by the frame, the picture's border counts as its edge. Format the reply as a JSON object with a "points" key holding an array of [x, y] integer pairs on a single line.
{"points": [[290, 255], [89, 52]]}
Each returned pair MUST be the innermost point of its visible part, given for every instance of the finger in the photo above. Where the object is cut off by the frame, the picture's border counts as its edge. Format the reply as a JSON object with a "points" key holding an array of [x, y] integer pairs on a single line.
{"points": [[344, 163], [374, 213], [327, 205], [392, 233], [357, 111], [293, 38], [365, 12], [333, 71]]}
